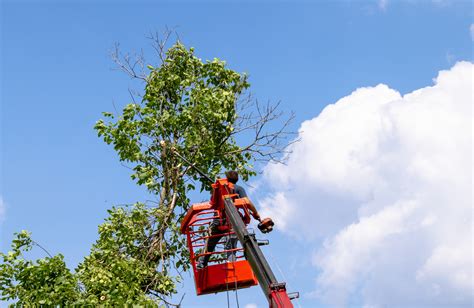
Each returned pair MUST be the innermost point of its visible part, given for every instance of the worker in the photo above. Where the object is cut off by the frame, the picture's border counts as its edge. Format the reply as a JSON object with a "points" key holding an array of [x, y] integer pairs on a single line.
{"points": [[231, 242]]}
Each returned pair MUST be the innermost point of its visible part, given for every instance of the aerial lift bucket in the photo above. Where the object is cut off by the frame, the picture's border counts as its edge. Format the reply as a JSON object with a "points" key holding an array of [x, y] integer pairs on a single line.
{"points": [[220, 275]]}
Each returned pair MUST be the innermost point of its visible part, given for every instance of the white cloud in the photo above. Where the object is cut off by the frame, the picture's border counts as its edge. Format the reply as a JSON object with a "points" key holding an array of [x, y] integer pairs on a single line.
{"points": [[471, 30], [251, 306], [386, 182]]}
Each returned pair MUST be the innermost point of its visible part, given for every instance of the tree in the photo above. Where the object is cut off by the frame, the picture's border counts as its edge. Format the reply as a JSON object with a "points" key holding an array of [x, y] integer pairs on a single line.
{"points": [[188, 119], [46, 281]]}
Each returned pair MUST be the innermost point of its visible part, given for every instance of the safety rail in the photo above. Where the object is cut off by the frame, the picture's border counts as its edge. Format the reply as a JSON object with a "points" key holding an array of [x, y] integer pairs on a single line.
{"points": [[227, 269], [198, 241]]}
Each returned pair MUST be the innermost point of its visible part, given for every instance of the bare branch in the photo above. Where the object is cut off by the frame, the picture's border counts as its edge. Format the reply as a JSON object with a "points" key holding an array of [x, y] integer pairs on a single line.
{"points": [[160, 42], [134, 66], [168, 304], [267, 144]]}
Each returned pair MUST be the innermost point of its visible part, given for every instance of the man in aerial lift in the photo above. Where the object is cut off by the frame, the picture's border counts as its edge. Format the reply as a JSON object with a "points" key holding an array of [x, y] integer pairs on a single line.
{"points": [[231, 243]]}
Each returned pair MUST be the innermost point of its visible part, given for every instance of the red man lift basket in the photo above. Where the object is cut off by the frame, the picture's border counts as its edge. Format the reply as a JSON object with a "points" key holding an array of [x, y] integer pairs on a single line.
{"points": [[219, 275]]}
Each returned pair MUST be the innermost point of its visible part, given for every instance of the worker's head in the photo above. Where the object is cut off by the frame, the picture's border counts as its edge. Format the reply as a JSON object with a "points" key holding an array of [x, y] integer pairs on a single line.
{"points": [[232, 176]]}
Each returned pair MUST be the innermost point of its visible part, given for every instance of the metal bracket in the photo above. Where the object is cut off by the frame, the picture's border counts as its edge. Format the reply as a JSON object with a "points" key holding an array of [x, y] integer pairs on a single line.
{"points": [[263, 242], [294, 295], [277, 286]]}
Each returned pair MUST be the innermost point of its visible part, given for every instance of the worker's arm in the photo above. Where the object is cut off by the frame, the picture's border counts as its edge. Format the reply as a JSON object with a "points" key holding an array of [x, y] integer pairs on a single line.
{"points": [[243, 195], [252, 208]]}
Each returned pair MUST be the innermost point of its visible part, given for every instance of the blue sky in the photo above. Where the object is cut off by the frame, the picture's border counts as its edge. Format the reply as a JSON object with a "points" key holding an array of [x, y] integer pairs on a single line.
{"points": [[58, 178]]}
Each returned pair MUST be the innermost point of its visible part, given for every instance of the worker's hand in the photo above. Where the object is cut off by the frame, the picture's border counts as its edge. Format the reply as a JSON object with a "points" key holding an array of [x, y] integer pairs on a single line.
{"points": [[256, 216]]}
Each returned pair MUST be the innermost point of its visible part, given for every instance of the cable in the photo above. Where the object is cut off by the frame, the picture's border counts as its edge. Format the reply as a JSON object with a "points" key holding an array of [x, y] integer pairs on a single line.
{"points": [[236, 294], [283, 275]]}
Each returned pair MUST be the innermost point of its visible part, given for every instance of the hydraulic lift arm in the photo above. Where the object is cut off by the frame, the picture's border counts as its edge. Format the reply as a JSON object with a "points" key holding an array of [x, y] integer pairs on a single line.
{"points": [[275, 291]]}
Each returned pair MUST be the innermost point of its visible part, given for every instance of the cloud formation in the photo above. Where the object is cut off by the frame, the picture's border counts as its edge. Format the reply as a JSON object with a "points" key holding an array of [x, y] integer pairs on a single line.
{"points": [[385, 181]]}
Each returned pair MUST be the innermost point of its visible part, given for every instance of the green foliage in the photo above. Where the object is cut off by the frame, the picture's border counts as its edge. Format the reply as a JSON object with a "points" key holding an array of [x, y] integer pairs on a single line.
{"points": [[119, 269], [46, 282], [190, 105]]}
